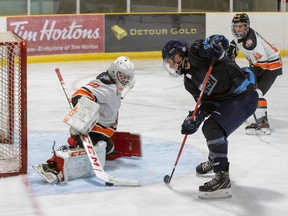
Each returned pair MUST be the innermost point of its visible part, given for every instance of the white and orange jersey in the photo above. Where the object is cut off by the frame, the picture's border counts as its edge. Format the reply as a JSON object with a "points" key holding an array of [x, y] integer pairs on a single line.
{"points": [[109, 99], [259, 51]]}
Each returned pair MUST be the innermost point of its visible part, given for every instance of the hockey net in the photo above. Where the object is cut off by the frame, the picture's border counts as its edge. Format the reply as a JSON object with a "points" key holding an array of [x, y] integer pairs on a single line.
{"points": [[13, 105]]}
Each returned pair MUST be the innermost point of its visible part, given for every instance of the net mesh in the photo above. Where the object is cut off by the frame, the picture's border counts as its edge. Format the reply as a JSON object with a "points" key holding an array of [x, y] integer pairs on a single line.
{"points": [[11, 99]]}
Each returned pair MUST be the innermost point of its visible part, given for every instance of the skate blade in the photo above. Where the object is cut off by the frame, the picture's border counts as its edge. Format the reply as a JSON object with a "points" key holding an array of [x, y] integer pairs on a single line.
{"points": [[222, 193], [262, 131], [206, 175], [49, 177]]}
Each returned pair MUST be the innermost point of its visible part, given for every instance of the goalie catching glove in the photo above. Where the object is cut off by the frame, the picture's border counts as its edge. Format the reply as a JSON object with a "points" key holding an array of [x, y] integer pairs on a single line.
{"points": [[83, 116]]}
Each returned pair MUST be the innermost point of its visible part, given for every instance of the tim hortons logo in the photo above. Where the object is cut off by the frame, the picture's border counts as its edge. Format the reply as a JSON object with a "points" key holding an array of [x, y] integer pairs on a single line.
{"points": [[50, 31]]}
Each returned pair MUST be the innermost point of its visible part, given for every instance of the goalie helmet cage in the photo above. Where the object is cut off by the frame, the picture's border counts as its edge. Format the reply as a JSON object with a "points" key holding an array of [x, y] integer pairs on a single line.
{"points": [[13, 105]]}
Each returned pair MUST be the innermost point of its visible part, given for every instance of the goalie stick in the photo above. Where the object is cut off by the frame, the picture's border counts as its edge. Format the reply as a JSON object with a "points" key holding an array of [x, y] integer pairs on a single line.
{"points": [[91, 153]]}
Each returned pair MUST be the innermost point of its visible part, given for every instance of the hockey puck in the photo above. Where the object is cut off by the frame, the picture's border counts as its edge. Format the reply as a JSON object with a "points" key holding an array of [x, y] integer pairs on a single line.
{"points": [[167, 179], [109, 184]]}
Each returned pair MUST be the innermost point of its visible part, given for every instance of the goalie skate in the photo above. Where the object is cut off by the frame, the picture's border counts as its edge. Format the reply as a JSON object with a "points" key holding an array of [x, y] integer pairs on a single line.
{"points": [[223, 193], [48, 174]]}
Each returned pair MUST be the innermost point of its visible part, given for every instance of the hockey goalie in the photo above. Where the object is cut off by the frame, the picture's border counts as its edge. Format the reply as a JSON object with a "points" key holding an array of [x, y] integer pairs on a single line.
{"points": [[95, 113]]}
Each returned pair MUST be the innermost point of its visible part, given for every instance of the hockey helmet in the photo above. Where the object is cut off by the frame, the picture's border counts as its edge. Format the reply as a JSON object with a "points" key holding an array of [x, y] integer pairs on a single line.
{"points": [[172, 50], [240, 19], [121, 71]]}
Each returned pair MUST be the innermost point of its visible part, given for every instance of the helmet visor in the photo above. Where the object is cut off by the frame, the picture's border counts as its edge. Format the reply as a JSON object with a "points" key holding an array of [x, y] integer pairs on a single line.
{"points": [[172, 67], [124, 79], [239, 29]]}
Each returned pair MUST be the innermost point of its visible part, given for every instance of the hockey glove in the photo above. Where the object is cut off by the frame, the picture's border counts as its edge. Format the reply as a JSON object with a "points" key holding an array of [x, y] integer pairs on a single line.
{"points": [[218, 46], [75, 141], [232, 51], [190, 126]]}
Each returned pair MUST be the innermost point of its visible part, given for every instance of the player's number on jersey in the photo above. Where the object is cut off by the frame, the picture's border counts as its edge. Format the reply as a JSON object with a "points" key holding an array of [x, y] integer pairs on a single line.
{"points": [[94, 84]]}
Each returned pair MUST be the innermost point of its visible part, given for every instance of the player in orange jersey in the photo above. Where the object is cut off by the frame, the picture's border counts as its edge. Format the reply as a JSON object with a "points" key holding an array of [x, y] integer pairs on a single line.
{"points": [[264, 61]]}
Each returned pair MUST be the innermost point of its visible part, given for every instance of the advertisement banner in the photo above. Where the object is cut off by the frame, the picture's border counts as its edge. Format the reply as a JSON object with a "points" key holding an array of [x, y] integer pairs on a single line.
{"points": [[50, 35], [150, 32]]}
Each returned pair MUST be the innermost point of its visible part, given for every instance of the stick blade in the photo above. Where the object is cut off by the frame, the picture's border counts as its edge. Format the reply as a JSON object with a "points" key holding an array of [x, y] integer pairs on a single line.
{"points": [[167, 179]]}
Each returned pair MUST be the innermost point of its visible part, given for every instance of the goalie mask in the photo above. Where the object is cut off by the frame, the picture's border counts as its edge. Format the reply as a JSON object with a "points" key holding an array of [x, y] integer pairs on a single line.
{"points": [[240, 25], [173, 54], [122, 72]]}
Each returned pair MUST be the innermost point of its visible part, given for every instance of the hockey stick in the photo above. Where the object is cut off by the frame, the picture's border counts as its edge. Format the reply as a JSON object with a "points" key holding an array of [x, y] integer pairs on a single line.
{"points": [[168, 178], [91, 153]]}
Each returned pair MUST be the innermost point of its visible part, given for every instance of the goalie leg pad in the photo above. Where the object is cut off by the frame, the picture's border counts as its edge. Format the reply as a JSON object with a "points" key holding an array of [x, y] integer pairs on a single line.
{"points": [[129, 144], [126, 145], [68, 164], [79, 166]]}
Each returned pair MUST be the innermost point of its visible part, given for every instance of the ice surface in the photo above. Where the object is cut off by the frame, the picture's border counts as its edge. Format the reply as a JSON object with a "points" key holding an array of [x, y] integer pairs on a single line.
{"points": [[155, 108]]}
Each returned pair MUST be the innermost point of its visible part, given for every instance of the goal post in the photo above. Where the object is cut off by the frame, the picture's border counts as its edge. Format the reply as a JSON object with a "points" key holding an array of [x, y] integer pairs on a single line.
{"points": [[13, 105]]}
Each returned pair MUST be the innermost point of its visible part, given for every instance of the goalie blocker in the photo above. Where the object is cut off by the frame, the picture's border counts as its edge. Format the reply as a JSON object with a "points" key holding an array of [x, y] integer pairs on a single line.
{"points": [[83, 116], [72, 163]]}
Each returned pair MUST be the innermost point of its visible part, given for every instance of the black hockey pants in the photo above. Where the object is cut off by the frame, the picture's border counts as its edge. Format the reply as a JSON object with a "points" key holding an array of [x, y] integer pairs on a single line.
{"points": [[228, 116]]}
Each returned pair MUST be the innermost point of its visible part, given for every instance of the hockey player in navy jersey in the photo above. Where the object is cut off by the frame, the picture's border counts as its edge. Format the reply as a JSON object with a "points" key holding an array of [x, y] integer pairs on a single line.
{"points": [[265, 62], [228, 100]]}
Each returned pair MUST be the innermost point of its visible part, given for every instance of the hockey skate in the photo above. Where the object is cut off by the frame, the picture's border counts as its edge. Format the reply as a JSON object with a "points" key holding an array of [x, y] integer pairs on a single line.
{"points": [[259, 128], [50, 175], [218, 187], [204, 168], [261, 125]]}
